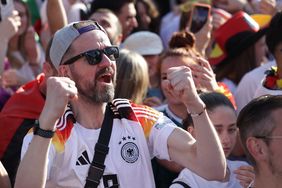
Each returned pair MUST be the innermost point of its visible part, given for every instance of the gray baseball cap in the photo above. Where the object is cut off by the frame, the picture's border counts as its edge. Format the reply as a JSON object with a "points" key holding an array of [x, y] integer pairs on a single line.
{"points": [[64, 37]]}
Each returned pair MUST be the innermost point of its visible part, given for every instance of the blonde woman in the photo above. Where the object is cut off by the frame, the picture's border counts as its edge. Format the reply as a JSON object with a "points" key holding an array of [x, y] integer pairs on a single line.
{"points": [[132, 77]]}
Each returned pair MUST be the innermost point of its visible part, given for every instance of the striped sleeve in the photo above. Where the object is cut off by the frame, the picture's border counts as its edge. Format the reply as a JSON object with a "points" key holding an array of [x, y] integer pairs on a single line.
{"points": [[157, 129]]}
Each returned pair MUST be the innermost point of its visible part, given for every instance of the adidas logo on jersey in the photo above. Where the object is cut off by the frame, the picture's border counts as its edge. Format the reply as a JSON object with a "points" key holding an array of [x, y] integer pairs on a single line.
{"points": [[83, 159]]}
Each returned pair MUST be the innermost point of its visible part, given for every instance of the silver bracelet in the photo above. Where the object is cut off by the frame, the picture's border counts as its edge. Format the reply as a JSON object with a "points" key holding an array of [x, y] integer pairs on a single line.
{"points": [[198, 114]]}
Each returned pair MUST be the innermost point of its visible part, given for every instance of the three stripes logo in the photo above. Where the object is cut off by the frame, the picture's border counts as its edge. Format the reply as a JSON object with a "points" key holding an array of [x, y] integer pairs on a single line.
{"points": [[83, 159]]}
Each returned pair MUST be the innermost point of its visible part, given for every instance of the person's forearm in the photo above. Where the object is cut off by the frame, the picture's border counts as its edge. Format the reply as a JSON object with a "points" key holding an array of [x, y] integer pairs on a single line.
{"points": [[56, 15], [208, 148], [32, 171], [205, 156]]}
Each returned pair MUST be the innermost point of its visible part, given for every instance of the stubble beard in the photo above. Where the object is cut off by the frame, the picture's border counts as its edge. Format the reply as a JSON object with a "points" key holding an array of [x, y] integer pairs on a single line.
{"points": [[93, 92]]}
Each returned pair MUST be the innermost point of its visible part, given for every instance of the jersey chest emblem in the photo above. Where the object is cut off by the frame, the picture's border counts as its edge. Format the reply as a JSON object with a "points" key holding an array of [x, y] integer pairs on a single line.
{"points": [[129, 150]]}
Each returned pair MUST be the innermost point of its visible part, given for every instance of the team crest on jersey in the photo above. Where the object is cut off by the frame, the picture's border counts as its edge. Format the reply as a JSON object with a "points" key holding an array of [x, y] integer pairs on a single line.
{"points": [[129, 150]]}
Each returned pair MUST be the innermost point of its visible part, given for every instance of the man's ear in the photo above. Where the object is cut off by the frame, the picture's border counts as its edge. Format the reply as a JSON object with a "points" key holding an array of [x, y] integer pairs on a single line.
{"points": [[64, 71], [257, 148], [49, 70]]}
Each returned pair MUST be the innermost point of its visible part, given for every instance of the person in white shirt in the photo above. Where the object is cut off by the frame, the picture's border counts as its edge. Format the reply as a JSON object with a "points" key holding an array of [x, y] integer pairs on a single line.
{"points": [[248, 85], [61, 145], [272, 82]]}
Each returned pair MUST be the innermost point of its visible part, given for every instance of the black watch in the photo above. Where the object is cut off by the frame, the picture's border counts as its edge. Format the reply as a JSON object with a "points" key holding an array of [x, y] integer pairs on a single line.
{"points": [[41, 132]]}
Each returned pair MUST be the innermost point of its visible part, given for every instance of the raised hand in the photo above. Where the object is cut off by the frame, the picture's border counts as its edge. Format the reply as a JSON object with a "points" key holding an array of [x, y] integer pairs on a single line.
{"points": [[11, 78], [180, 84], [245, 174], [203, 75], [203, 37], [31, 46], [60, 90], [267, 7], [10, 25], [231, 6], [219, 17]]}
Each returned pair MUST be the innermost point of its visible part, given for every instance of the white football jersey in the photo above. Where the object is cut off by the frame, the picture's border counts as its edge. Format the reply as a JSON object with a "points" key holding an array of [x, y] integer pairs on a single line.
{"points": [[139, 133]]}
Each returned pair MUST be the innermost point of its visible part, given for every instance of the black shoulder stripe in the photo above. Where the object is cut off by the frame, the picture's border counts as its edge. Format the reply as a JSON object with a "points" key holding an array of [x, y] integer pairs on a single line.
{"points": [[124, 109]]}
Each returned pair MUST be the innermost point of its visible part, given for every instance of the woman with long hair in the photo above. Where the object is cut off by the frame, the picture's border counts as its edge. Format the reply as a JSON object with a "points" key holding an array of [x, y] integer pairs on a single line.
{"points": [[132, 77]]}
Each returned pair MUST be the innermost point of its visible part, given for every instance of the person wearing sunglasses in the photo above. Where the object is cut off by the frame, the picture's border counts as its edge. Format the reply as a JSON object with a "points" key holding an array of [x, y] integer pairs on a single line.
{"points": [[260, 129], [58, 151]]}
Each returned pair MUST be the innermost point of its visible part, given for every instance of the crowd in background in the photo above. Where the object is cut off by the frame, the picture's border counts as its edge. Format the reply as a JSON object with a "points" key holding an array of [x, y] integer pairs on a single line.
{"points": [[234, 58]]}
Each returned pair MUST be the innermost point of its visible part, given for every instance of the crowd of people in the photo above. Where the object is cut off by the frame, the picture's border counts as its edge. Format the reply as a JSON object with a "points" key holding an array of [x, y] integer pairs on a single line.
{"points": [[124, 93]]}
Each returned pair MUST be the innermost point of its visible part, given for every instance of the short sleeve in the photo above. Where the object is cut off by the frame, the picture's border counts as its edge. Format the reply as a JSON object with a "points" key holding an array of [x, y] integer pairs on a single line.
{"points": [[158, 137]]}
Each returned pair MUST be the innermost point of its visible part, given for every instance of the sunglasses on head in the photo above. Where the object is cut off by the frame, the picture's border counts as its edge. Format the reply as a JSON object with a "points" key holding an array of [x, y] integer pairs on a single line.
{"points": [[94, 57]]}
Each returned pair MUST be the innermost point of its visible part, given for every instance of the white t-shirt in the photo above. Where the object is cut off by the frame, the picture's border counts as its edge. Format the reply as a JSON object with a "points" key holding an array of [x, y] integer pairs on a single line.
{"points": [[195, 181], [139, 133], [249, 83], [261, 90]]}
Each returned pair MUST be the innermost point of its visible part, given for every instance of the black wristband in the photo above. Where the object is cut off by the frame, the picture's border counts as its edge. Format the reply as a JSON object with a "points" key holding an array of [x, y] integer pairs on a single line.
{"points": [[41, 132]]}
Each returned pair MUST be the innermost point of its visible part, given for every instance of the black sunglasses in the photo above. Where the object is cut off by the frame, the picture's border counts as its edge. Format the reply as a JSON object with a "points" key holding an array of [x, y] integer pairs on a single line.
{"points": [[94, 57]]}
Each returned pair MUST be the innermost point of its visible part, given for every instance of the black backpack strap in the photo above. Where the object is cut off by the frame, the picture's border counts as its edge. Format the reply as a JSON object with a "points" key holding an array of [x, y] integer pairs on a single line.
{"points": [[97, 167], [181, 183]]}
